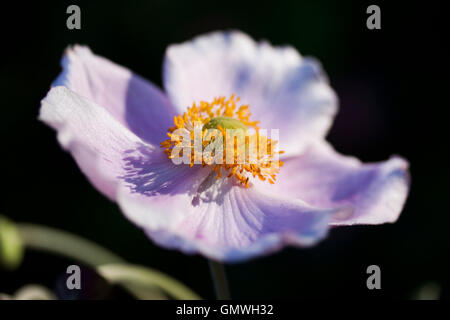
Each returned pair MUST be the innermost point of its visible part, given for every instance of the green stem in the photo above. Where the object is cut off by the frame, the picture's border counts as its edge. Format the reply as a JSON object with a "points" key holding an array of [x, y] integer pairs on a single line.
{"points": [[140, 281], [66, 244], [220, 280], [140, 276]]}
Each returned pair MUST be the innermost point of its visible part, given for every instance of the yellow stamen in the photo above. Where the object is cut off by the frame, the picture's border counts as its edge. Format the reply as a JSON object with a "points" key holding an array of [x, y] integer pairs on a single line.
{"points": [[222, 114]]}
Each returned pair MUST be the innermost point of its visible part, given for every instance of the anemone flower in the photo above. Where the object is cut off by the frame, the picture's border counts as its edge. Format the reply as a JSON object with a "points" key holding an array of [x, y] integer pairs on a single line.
{"points": [[121, 128]]}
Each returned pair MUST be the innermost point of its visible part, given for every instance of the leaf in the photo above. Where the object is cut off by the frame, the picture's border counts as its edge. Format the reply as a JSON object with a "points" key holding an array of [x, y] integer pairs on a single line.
{"points": [[34, 292], [11, 246]]}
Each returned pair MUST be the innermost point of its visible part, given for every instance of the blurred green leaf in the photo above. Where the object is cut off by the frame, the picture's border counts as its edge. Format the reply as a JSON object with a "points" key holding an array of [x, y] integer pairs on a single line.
{"points": [[428, 291], [34, 292], [11, 246]]}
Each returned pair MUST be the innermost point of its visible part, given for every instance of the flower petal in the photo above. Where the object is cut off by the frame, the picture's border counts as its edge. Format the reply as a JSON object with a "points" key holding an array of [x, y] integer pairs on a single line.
{"points": [[285, 91], [323, 178], [114, 159], [96, 140], [134, 102], [226, 222]]}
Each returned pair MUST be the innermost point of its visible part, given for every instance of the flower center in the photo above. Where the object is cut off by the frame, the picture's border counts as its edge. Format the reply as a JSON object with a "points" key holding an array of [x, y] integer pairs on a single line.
{"points": [[225, 123], [221, 135]]}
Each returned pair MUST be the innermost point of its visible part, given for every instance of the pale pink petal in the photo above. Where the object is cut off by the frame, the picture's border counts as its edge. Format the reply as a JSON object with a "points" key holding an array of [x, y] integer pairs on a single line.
{"points": [[132, 101], [323, 178], [224, 221], [114, 159], [97, 141], [285, 91]]}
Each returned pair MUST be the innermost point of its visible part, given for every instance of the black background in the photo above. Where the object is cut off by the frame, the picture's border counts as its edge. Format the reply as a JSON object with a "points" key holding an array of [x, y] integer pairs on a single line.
{"points": [[393, 89]]}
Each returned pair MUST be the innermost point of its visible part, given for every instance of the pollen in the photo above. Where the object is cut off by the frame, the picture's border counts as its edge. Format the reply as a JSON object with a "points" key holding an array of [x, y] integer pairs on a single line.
{"points": [[220, 135]]}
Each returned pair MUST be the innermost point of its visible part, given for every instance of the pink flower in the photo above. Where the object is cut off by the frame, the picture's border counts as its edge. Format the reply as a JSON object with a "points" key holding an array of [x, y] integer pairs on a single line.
{"points": [[113, 123]]}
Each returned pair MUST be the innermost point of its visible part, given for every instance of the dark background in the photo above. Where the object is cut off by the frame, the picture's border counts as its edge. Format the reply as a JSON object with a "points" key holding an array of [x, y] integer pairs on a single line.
{"points": [[393, 87]]}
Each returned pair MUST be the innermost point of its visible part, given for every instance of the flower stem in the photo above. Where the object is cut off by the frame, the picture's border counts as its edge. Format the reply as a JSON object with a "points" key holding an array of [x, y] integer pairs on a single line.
{"points": [[142, 282], [66, 244], [220, 280]]}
